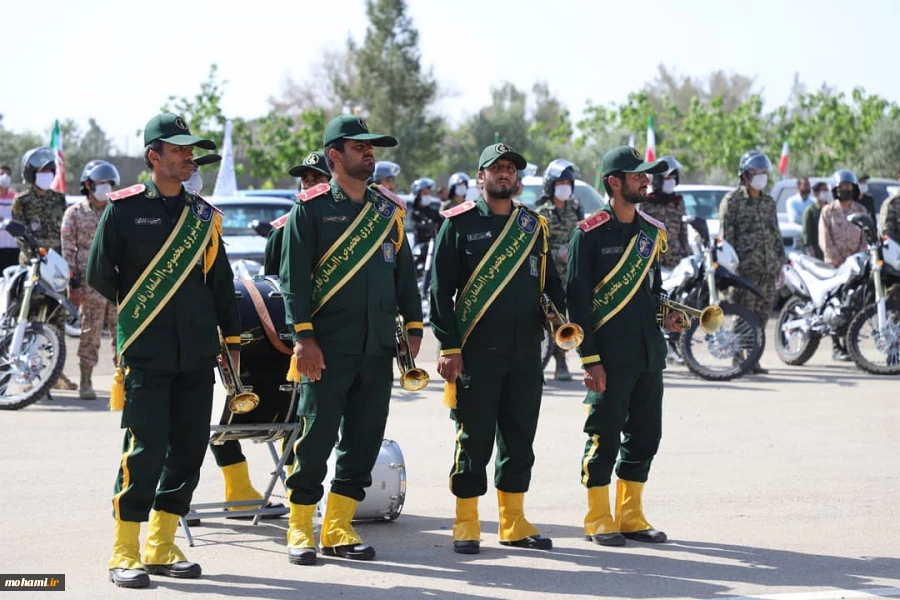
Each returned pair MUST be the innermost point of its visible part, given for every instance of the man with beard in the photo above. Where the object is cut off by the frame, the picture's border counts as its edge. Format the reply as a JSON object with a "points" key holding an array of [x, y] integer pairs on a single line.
{"points": [[345, 269], [492, 264], [614, 287]]}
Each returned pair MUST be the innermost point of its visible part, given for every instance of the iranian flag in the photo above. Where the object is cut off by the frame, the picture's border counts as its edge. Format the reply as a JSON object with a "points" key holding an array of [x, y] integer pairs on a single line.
{"points": [[650, 155], [59, 182], [783, 162]]}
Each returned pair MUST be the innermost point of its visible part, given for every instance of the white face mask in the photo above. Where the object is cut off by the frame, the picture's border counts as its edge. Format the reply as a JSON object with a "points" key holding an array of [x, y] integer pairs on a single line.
{"points": [[5, 181], [824, 196], [668, 186], [460, 189], [195, 183], [863, 188], [44, 180], [758, 182], [101, 192], [563, 191]]}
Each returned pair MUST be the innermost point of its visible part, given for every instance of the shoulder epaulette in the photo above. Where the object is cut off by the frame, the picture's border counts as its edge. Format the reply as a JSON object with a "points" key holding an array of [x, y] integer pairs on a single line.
{"points": [[594, 221], [128, 192], [280, 221], [383, 191], [314, 192], [21, 194], [658, 224], [458, 210]]}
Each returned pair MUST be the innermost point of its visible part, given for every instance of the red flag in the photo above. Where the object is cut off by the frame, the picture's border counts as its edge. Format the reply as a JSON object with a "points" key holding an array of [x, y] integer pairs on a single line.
{"points": [[783, 162], [651, 142], [59, 182]]}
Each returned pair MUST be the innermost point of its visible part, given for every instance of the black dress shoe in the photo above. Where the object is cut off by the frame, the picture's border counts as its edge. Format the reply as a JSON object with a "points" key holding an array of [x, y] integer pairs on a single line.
{"points": [[536, 542], [180, 570], [284, 509], [302, 556], [351, 551], [467, 547], [129, 578], [606, 539], [648, 536], [841, 355], [758, 370]]}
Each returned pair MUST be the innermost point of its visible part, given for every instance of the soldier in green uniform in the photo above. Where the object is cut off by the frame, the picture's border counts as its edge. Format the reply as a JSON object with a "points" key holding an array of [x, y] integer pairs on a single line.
{"points": [[613, 289], [559, 206], [492, 264], [41, 210], [158, 255], [346, 267]]}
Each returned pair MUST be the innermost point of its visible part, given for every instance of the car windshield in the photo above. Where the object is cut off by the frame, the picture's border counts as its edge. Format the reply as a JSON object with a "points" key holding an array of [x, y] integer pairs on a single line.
{"points": [[237, 217], [703, 203], [588, 198]]}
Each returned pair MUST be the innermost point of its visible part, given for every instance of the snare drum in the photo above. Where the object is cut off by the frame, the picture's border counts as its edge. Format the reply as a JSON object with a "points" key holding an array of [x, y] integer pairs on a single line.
{"points": [[387, 494]]}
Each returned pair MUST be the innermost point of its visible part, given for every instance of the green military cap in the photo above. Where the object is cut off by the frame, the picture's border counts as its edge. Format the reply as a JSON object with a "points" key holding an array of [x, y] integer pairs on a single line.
{"points": [[314, 161], [349, 127], [206, 159], [495, 152], [172, 129], [626, 159]]}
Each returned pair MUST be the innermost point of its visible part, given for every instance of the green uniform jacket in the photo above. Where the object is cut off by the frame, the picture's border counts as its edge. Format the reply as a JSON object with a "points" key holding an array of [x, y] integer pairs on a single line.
{"points": [[515, 317], [272, 260], [809, 236], [183, 335], [360, 317], [632, 337]]}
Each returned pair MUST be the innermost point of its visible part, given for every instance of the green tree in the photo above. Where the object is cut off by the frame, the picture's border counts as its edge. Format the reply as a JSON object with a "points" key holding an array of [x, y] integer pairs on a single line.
{"points": [[280, 141], [880, 150]]}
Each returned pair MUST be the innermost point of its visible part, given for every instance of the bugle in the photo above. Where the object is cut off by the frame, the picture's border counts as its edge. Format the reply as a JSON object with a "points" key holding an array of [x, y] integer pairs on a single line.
{"points": [[412, 378], [238, 399], [711, 317], [567, 336]]}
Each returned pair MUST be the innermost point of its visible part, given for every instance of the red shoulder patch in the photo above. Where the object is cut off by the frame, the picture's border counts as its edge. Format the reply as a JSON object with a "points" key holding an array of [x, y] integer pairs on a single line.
{"points": [[594, 221], [127, 192], [314, 192], [280, 221], [380, 189], [458, 210], [658, 224]]}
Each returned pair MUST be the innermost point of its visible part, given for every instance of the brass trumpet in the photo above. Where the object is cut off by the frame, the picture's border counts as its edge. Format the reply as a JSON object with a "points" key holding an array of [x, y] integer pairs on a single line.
{"points": [[567, 336], [238, 399], [711, 317], [412, 378]]}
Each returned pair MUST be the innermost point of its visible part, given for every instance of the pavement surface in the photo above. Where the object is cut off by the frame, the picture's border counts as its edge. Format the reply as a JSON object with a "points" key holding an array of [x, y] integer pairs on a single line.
{"points": [[783, 486]]}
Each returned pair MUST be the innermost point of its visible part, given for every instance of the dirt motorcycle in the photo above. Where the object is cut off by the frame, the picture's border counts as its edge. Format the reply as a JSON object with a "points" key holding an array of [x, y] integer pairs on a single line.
{"points": [[698, 281], [32, 351], [849, 301]]}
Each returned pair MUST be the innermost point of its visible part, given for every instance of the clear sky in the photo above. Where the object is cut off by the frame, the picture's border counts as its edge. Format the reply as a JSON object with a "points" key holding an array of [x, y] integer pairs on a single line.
{"points": [[96, 58]]}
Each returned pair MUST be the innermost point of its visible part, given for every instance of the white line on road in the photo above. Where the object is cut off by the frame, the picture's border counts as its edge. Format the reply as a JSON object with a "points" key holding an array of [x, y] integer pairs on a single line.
{"points": [[824, 595]]}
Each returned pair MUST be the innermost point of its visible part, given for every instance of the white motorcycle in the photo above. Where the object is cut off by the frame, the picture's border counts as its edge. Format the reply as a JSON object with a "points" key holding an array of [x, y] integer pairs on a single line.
{"points": [[32, 352], [848, 301]]}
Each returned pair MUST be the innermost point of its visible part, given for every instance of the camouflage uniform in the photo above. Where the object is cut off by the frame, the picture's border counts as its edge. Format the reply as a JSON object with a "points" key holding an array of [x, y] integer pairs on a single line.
{"points": [[78, 227], [839, 238], [669, 208], [751, 226], [889, 223]]}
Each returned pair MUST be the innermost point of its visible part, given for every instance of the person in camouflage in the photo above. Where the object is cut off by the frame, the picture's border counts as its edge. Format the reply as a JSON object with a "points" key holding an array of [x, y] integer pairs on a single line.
{"points": [[79, 225], [559, 206], [41, 210], [749, 222], [457, 188], [889, 223], [664, 205], [839, 238]]}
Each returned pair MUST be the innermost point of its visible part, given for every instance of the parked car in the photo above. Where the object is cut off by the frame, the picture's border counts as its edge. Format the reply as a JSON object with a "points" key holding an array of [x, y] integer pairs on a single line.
{"points": [[241, 242], [880, 188], [287, 194]]}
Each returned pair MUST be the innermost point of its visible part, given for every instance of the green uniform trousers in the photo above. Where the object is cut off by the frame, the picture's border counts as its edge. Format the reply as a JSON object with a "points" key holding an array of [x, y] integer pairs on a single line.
{"points": [[498, 397], [166, 422], [627, 417], [353, 397]]}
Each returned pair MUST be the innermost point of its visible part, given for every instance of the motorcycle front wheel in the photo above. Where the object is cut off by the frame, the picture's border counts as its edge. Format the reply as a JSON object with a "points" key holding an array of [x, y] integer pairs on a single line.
{"points": [[29, 378], [872, 349], [730, 351], [794, 346]]}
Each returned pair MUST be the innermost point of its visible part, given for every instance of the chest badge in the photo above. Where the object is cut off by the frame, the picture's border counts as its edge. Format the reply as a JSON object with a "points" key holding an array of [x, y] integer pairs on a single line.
{"points": [[201, 210], [526, 222], [474, 237], [148, 221], [533, 266], [387, 249], [644, 245]]}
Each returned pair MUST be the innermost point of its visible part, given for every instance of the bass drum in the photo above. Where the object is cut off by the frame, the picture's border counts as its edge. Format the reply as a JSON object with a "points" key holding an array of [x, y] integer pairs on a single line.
{"points": [[265, 358], [387, 494]]}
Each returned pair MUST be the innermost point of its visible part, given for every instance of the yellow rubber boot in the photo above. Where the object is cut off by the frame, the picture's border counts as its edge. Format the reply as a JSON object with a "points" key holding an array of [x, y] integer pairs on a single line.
{"points": [[467, 528], [161, 555], [238, 487], [515, 530], [127, 546], [338, 536], [599, 524], [630, 519], [301, 540]]}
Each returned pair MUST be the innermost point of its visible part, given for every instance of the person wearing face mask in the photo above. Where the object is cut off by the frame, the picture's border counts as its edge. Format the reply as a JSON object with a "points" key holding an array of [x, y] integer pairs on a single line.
{"points": [[457, 186], [558, 205], [79, 225], [194, 183], [9, 250], [41, 210], [865, 198], [748, 221], [385, 174], [425, 214], [800, 201], [809, 238], [664, 205]]}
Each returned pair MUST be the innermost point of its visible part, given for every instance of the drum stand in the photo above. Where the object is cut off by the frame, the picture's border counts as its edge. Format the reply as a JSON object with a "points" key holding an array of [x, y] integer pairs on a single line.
{"points": [[268, 433]]}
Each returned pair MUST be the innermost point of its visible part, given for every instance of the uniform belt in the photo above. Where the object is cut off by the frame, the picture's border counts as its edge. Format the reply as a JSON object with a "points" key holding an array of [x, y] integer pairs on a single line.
{"points": [[263, 313]]}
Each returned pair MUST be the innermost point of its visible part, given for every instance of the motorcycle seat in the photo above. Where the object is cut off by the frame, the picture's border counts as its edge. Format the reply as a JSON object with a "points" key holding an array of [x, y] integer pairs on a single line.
{"points": [[815, 267]]}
